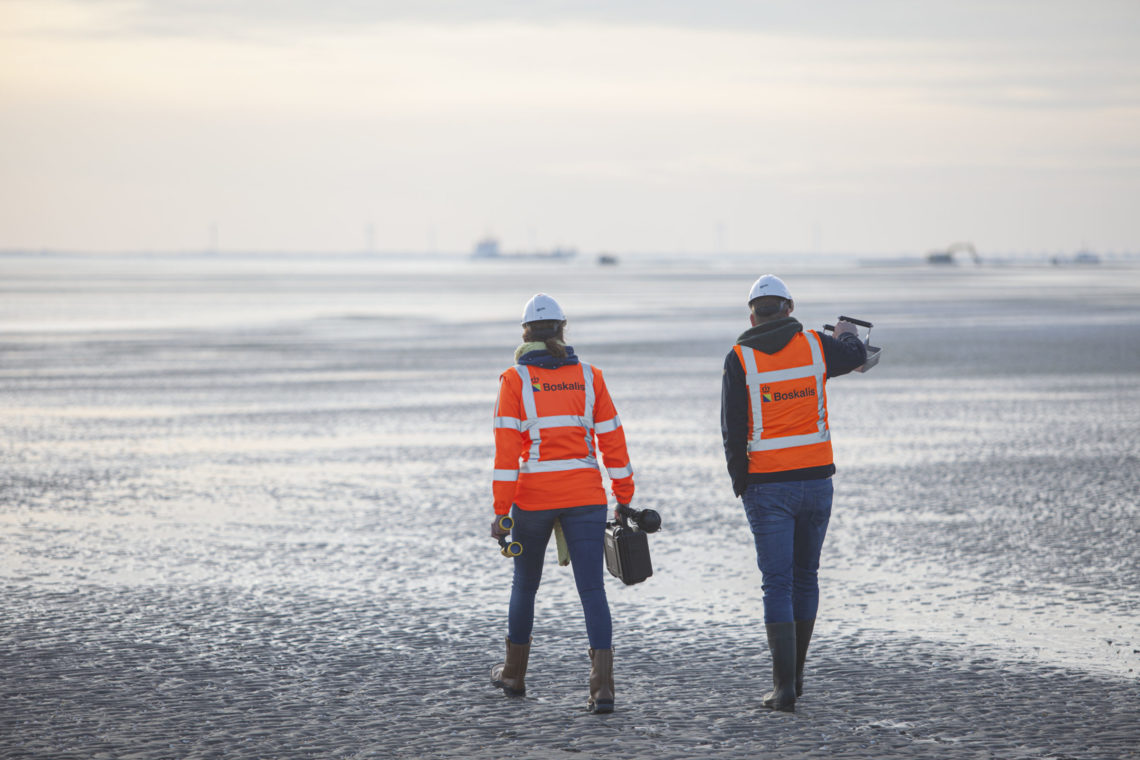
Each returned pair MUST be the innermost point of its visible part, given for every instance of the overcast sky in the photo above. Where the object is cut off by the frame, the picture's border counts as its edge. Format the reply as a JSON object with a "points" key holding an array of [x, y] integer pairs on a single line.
{"points": [[877, 126]]}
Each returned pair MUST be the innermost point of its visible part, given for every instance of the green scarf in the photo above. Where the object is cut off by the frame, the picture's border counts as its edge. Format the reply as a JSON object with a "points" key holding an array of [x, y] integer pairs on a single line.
{"points": [[526, 348]]}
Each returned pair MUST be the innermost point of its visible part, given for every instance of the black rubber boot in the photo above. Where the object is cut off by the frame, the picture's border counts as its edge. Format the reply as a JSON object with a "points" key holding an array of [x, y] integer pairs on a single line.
{"points": [[803, 638], [782, 645], [510, 675]]}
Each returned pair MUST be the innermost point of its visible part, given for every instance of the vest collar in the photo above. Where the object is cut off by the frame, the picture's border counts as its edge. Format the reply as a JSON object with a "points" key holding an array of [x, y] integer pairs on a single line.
{"points": [[771, 337], [536, 355]]}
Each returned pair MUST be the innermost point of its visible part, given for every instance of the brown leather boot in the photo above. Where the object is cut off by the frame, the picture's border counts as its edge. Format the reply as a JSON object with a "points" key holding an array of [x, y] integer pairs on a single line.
{"points": [[601, 681], [510, 676]]}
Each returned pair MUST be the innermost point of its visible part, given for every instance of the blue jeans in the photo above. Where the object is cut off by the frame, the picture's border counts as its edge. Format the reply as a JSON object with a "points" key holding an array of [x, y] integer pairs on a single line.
{"points": [[789, 521], [584, 528]]}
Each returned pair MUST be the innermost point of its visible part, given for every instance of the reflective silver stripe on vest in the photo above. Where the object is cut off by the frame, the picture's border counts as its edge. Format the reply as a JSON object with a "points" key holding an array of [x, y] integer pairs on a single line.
{"points": [[508, 423], [527, 391], [506, 475], [820, 378], [608, 426], [754, 378], [619, 472], [529, 408], [553, 421], [559, 465], [588, 411], [788, 441], [533, 424]]}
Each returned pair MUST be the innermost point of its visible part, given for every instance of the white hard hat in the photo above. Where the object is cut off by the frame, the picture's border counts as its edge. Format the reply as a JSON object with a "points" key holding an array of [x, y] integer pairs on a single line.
{"points": [[541, 307], [769, 285]]}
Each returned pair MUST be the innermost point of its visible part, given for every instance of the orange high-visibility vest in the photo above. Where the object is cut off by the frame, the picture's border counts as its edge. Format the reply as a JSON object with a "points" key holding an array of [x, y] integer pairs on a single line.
{"points": [[546, 421], [787, 403]]}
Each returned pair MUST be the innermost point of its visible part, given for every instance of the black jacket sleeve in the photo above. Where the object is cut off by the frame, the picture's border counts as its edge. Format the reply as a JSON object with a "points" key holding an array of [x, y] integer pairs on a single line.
{"points": [[842, 354], [734, 422]]}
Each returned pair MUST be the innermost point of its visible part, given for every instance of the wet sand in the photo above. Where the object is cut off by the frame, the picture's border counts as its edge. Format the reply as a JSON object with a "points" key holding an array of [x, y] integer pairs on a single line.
{"points": [[244, 509]]}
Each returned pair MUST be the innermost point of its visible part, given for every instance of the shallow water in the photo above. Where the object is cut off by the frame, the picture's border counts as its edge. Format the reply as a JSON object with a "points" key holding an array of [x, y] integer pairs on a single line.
{"points": [[244, 506]]}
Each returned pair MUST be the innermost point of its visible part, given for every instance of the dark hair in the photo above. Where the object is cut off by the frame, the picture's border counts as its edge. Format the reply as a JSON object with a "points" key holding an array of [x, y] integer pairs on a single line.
{"points": [[768, 306], [548, 331]]}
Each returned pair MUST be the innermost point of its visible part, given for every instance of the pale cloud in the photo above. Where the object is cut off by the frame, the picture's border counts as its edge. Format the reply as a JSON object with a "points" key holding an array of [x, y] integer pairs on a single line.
{"points": [[623, 125], [1064, 21]]}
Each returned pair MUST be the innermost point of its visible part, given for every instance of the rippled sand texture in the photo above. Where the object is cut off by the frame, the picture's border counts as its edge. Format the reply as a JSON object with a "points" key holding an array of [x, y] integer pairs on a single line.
{"points": [[245, 504]]}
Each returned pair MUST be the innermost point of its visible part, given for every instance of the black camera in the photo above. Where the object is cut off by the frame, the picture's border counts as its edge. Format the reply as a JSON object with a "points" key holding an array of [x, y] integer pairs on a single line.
{"points": [[643, 519], [626, 547]]}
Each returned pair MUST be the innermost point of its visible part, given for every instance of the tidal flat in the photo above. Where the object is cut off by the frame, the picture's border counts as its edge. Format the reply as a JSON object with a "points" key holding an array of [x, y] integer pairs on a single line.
{"points": [[244, 506]]}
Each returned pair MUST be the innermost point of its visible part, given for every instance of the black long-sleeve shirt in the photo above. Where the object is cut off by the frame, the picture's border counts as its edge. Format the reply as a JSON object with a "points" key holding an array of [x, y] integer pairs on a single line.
{"points": [[842, 355]]}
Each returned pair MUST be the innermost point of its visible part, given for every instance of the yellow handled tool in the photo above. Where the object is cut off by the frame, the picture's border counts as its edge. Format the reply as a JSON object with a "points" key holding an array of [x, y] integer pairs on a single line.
{"points": [[560, 542]]}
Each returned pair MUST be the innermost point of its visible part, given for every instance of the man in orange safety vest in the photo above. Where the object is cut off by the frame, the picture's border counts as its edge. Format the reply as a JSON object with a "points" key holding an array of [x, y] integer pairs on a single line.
{"points": [[778, 447]]}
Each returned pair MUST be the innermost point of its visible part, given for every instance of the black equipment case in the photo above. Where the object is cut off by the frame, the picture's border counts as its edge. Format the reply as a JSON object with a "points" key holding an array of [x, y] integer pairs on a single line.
{"points": [[627, 553]]}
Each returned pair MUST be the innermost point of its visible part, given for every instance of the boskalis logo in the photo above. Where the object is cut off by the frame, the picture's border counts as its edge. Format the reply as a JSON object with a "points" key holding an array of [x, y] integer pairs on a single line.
{"points": [[537, 385], [768, 395]]}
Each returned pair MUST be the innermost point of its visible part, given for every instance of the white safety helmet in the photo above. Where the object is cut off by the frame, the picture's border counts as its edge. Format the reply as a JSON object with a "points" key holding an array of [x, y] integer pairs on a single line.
{"points": [[769, 285], [542, 307]]}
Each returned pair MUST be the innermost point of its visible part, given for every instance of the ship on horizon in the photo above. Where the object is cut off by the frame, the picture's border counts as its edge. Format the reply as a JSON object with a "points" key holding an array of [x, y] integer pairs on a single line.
{"points": [[488, 248]]}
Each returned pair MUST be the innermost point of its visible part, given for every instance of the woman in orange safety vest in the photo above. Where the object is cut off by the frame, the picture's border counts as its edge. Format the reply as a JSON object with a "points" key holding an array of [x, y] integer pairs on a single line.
{"points": [[552, 410]]}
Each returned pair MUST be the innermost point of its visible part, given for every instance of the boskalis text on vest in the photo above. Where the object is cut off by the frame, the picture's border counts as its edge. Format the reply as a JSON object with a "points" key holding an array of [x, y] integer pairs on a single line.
{"points": [[769, 395], [538, 385]]}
